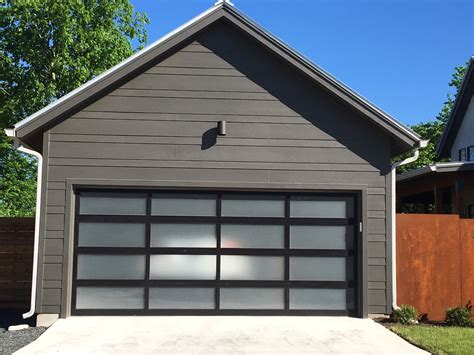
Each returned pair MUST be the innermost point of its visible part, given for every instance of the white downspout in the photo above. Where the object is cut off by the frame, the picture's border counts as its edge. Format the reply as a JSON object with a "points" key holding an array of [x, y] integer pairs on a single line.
{"points": [[39, 157], [394, 167]]}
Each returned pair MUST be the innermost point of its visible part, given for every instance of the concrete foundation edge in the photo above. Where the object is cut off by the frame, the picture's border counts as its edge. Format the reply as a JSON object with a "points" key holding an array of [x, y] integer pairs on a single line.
{"points": [[46, 320]]}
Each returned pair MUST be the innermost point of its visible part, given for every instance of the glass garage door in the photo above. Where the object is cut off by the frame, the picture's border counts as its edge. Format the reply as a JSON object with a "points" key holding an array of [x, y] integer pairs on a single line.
{"points": [[206, 253]]}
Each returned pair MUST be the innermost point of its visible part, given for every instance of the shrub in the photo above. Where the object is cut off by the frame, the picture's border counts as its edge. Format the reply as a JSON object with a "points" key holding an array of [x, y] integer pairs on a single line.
{"points": [[406, 314], [459, 316]]}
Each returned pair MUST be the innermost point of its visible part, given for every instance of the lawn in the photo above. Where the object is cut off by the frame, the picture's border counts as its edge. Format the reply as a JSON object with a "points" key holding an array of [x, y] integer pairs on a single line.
{"points": [[436, 339]]}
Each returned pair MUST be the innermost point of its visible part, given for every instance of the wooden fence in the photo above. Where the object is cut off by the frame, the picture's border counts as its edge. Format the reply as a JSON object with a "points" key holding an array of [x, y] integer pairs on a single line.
{"points": [[435, 262], [16, 260]]}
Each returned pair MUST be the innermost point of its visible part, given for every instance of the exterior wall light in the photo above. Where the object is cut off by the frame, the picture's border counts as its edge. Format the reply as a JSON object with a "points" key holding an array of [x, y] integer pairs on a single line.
{"points": [[221, 128]]}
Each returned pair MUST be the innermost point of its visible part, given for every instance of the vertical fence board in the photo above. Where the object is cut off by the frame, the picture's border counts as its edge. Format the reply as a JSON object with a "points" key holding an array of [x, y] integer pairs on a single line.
{"points": [[467, 260], [435, 262]]}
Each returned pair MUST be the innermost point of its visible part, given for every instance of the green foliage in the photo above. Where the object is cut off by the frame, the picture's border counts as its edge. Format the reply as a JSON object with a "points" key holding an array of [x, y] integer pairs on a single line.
{"points": [[459, 316], [406, 314], [47, 49], [433, 130]]}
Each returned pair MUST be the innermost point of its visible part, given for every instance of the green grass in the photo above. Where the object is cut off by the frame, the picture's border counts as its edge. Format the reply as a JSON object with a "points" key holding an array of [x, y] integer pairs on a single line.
{"points": [[435, 339]]}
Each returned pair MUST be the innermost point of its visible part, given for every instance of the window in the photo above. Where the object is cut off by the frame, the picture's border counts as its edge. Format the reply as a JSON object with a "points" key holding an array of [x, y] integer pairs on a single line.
{"points": [[470, 153], [462, 154]]}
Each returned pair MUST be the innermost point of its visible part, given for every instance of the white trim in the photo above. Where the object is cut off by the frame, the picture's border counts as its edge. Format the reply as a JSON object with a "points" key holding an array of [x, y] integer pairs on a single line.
{"points": [[34, 276], [115, 67], [10, 132], [223, 1], [394, 167]]}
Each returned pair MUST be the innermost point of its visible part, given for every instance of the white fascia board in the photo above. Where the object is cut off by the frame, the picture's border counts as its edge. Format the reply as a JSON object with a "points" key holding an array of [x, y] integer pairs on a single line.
{"points": [[118, 66], [10, 132]]}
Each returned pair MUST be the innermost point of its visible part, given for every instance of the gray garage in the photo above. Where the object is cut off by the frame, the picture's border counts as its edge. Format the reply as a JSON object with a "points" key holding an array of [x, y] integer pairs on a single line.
{"points": [[217, 171]]}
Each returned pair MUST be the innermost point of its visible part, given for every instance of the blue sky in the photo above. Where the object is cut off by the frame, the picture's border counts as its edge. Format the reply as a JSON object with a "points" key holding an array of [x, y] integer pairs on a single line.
{"points": [[399, 54]]}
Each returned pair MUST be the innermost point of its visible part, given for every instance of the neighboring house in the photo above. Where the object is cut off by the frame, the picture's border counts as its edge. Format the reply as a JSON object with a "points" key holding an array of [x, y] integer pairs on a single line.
{"points": [[446, 187], [217, 171]]}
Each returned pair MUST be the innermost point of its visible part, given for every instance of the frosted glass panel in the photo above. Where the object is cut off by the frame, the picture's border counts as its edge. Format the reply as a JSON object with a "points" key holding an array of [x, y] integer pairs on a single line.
{"points": [[252, 298], [109, 298], [317, 269], [182, 298], [183, 267], [240, 267], [318, 237], [332, 299], [183, 235], [111, 234], [318, 209], [248, 207], [113, 267], [113, 205], [252, 236], [183, 205]]}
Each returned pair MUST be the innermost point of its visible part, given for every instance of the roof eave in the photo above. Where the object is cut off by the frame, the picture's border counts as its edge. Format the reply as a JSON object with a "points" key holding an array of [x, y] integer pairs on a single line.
{"points": [[447, 167]]}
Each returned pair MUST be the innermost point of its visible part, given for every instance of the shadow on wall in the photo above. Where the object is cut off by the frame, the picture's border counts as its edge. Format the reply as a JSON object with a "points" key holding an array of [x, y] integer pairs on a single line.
{"points": [[209, 138], [299, 93]]}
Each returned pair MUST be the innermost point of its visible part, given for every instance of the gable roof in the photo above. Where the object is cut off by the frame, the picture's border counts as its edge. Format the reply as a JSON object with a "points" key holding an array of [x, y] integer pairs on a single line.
{"points": [[403, 138], [458, 112]]}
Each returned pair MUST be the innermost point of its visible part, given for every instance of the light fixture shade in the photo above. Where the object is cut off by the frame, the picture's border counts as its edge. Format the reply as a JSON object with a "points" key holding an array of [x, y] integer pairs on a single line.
{"points": [[221, 128]]}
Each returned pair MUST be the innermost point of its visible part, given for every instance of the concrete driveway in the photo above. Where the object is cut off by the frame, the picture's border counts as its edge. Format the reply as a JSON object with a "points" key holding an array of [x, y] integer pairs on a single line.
{"points": [[217, 335]]}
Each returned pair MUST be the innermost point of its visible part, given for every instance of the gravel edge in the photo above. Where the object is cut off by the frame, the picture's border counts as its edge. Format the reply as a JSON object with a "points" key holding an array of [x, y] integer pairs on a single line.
{"points": [[15, 340]]}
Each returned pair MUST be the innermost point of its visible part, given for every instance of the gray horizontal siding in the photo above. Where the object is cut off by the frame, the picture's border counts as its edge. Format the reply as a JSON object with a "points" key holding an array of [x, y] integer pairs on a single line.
{"points": [[152, 129], [177, 152]]}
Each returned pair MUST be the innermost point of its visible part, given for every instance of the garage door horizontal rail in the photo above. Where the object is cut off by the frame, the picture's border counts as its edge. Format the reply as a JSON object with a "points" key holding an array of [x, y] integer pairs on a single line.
{"points": [[217, 283], [215, 220], [214, 251]]}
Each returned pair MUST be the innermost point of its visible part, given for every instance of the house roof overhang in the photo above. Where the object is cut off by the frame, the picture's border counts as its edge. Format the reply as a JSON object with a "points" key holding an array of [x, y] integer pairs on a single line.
{"points": [[461, 104], [438, 168], [27, 130]]}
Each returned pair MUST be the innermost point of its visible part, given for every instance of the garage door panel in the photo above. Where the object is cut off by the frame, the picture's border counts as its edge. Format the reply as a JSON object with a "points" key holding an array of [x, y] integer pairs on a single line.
{"points": [[183, 267], [160, 251], [252, 206], [110, 298], [182, 298], [116, 235], [318, 269], [113, 205], [190, 235], [321, 237], [244, 267], [312, 207], [183, 205], [252, 298], [318, 299], [110, 267], [243, 236]]}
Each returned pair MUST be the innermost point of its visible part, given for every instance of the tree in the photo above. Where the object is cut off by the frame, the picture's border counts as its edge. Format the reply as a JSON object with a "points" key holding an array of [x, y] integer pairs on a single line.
{"points": [[433, 130], [47, 49]]}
